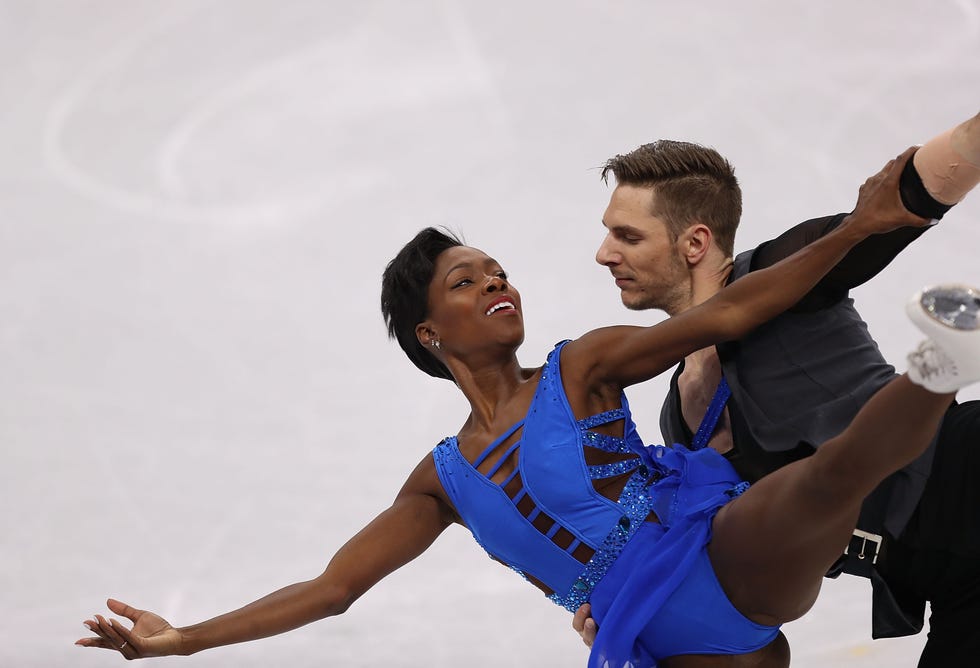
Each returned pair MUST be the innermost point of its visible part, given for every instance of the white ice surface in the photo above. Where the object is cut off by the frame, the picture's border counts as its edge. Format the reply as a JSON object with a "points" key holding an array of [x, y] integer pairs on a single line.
{"points": [[197, 400]]}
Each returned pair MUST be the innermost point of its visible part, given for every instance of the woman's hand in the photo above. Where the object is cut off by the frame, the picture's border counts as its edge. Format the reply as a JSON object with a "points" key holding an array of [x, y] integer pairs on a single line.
{"points": [[151, 634], [879, 207], [395, 537]]}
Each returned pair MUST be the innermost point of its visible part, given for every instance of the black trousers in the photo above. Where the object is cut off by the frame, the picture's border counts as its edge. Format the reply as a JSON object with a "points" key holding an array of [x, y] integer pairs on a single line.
{"points": [[937, 557]]}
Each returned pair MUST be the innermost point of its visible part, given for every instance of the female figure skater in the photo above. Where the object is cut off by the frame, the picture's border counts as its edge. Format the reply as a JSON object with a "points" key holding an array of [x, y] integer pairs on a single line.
{"points": [[684, 565]]}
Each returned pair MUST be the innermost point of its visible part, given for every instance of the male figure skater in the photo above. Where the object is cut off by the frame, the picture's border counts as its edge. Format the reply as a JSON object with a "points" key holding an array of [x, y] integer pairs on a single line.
{"points": [[802, 377]]}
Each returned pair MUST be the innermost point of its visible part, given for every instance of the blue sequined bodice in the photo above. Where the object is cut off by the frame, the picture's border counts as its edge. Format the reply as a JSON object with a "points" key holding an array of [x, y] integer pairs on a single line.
{"points": [[553, 526]]}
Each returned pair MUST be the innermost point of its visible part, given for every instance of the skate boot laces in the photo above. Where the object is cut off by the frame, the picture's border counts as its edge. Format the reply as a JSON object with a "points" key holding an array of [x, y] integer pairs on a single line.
{"points": [[930, 364]]}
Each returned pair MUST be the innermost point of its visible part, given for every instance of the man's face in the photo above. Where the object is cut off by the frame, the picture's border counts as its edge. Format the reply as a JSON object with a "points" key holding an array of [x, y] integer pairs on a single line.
{"points": [[642, 254]]}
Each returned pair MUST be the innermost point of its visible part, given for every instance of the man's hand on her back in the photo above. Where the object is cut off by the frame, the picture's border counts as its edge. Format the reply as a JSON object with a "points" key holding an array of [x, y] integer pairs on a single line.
{"points": [[583, 623]]}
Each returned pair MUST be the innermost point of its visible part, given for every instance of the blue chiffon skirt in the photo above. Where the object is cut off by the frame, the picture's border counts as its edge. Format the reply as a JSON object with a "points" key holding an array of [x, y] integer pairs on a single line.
{"points": [[661, 597]]}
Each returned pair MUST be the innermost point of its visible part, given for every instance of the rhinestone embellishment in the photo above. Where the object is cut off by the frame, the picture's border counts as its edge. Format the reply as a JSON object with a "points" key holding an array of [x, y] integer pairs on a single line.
{"points": [[954, 306]]}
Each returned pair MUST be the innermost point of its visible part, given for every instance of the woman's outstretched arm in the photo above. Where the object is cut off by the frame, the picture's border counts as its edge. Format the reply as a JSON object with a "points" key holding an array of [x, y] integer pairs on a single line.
{"points": [[626, 355], [392, 539]]}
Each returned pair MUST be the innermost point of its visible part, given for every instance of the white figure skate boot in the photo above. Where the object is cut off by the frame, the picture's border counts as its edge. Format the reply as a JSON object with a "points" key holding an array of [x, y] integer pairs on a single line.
{"points": [[950, 358]]}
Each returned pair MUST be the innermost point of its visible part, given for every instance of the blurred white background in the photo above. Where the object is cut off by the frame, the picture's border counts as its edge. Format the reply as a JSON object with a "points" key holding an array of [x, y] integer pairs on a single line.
{"points": [[198, 403]]}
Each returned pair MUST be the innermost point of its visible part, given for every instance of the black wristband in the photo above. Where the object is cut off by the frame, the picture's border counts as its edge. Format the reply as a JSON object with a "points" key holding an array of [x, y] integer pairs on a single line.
{"points": [[916, 198]]}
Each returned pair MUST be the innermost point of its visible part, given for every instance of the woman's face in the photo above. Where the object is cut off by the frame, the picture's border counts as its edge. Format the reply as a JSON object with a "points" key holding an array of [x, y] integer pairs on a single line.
{"points": [[472, 304]]}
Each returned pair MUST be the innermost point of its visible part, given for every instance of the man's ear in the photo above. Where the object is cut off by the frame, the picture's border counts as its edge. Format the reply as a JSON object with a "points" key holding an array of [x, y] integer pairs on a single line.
{"points": [[695, 242]]}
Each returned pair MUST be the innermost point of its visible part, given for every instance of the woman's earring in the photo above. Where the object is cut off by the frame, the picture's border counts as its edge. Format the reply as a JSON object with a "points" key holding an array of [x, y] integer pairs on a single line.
{"points": [[435, 344]]}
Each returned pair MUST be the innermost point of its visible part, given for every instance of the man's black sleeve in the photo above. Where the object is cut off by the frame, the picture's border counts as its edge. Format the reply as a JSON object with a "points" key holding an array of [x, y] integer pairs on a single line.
{"points": [[866, 259]]}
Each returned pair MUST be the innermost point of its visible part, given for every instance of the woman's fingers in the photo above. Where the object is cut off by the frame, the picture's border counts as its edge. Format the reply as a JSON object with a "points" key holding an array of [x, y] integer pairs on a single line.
{"points": [[129, 648], [111, 633], [101, 640], [97, 641]]}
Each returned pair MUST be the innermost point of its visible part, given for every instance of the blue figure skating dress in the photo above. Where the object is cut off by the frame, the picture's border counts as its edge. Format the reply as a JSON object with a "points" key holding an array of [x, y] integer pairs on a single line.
{"points": [[641, 561]]}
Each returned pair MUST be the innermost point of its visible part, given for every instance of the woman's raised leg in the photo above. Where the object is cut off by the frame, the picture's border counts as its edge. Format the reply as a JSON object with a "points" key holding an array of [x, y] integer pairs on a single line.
{"points": [[772, 545], [949, 165]]}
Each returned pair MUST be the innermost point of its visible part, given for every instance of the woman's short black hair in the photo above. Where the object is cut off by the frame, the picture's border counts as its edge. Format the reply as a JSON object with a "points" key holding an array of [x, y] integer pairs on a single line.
{"points": [[405, 294]]}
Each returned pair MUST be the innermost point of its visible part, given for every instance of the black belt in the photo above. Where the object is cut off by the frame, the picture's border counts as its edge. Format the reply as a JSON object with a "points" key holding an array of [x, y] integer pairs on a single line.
{"points": [[860, 555]]}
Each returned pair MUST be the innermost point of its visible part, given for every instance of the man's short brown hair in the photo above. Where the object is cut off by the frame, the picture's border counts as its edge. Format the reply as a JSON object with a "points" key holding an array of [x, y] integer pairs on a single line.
{"points": [[692, 183]]}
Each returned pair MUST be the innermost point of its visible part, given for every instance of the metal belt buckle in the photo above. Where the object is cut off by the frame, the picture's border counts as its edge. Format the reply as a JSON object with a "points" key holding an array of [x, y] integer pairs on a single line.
{"points": [[863, 538]]}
